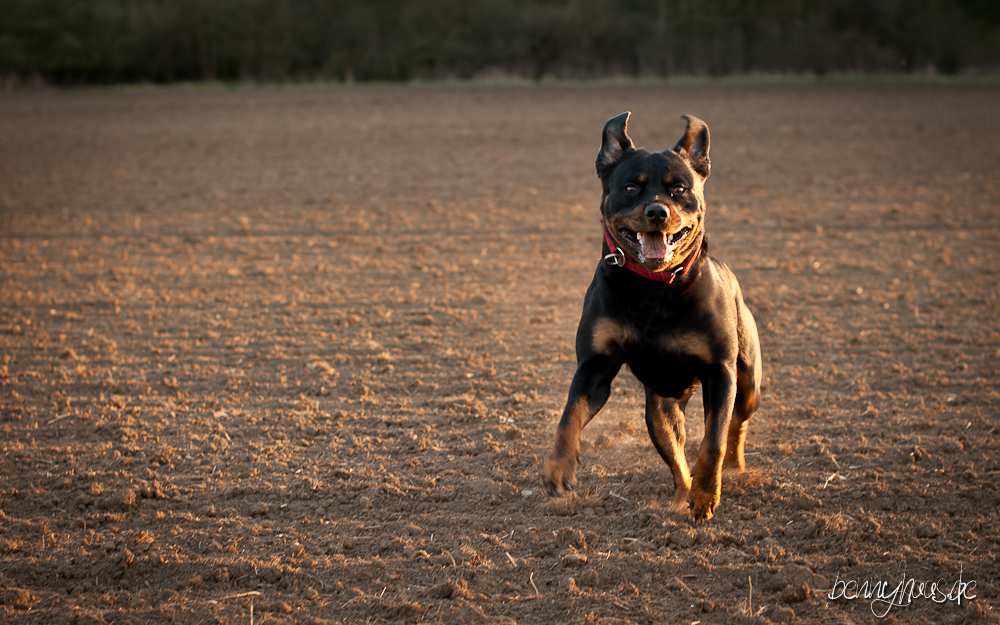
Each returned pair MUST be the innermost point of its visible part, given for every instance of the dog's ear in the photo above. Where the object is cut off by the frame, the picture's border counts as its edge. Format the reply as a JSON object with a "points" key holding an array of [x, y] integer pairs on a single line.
{"points": [[694, 144], [614, 142]]}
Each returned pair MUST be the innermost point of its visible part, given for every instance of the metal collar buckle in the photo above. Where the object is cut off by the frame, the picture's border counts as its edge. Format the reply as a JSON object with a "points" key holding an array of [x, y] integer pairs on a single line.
{"points": [[616, 258]]}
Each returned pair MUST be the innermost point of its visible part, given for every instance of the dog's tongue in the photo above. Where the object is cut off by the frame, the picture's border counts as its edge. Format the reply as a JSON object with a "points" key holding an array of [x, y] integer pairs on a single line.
{"points": [[654, 245]]}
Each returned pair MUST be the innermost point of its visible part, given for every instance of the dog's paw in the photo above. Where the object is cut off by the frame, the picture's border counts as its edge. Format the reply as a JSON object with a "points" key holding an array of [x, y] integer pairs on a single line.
{"points": [[559, 475], [702, 504], [680, 504], [734, 463]]}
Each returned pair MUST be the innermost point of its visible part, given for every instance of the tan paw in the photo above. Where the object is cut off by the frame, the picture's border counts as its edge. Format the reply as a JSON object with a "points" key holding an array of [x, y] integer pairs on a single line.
{"points": [[734, 464], [680, 504], [559, 474], [702, 504]]}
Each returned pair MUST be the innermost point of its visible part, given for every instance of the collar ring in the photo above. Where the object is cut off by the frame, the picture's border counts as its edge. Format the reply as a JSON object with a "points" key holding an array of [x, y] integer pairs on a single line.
{"points": [[616, 258]]}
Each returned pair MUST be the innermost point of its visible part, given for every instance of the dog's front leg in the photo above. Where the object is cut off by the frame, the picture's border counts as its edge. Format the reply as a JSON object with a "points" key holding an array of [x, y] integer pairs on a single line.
{"points": [[719, 393], [588, 392]]}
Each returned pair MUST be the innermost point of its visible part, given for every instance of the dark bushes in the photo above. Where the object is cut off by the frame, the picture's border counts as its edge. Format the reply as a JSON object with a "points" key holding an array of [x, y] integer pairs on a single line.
{"points": [[105, 41]]}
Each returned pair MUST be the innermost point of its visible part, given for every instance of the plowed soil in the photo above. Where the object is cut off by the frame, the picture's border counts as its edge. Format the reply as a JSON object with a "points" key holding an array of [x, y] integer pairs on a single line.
{"points": [[297, 355]]}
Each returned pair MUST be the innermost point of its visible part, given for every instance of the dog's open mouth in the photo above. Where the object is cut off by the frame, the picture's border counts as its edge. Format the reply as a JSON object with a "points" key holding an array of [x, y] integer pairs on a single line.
{"points": [[656, 244]]}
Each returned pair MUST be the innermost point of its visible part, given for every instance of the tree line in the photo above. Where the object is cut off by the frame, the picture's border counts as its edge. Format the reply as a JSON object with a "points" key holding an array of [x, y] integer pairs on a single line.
{"points": [[111, 41]]}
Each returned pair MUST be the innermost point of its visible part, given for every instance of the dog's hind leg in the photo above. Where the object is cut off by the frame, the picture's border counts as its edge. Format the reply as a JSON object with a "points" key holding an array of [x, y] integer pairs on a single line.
{"points": [[748, 372], [746, 403], [665, 422]]}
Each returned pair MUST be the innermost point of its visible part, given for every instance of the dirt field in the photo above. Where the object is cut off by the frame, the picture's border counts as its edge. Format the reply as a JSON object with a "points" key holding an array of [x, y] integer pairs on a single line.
{"points": [[296, 356]]}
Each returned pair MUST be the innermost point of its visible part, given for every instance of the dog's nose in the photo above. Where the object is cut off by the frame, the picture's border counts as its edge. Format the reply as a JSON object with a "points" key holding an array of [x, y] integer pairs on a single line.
{"points": [[656, 213]]}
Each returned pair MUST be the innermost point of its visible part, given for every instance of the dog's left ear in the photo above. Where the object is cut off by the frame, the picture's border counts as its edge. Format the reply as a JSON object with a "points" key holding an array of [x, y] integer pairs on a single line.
{"points": [[694, 144], [614, 142]]}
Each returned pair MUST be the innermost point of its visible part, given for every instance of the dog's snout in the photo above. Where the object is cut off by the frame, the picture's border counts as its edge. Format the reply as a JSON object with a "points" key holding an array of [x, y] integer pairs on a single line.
{"points": [[656, 213]]}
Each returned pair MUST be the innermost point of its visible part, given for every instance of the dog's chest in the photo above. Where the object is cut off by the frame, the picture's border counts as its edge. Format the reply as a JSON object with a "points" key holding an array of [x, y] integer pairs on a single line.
{"points": [[667, 361], [667, 374]]}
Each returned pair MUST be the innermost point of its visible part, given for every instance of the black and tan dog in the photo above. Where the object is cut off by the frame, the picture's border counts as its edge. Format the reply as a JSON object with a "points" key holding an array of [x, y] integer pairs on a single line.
{"points": [[673, 314]]}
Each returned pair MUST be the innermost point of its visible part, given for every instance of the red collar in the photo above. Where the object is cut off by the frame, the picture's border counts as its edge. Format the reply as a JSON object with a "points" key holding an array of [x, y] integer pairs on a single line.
{"points": [[617, 258]]}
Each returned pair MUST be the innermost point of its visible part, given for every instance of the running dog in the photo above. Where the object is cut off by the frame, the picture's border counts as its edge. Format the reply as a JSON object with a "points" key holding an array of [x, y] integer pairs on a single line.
{"points": [[675, 315]]}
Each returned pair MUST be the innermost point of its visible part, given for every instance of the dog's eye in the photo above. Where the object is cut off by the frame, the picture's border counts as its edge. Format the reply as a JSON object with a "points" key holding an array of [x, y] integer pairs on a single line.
{"points": [[678, 189], [631, 189]]}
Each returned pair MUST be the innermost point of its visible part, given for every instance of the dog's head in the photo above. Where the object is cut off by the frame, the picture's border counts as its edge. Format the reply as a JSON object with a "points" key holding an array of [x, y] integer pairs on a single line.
{"points": [[654, 202]]}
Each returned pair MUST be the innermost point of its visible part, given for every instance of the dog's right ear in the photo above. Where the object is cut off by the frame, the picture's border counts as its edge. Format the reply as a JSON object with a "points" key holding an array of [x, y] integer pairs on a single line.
{"points": [[614, 143]]}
